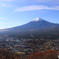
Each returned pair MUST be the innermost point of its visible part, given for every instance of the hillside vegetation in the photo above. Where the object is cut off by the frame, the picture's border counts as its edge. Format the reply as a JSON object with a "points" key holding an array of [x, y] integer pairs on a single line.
{"points": [[48, 54]]}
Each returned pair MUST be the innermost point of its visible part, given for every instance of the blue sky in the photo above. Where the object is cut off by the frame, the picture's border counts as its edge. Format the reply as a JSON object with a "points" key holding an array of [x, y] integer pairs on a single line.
{"points": [[18, 12]]}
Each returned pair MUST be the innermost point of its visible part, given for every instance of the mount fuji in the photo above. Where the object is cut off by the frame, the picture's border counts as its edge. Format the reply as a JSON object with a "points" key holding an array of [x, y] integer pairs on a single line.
{"points": [[38, 27]]}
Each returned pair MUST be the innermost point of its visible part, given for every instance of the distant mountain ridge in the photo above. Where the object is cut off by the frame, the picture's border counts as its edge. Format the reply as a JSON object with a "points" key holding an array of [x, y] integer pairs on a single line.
{"points": [[38, 27]]}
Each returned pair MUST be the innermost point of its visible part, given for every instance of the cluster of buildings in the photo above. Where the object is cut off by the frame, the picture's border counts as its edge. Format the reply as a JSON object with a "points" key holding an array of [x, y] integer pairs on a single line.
{"points": [[28, 46]]}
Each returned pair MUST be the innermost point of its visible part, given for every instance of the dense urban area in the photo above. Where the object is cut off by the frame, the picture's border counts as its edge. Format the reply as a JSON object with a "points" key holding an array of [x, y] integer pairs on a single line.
{"points": [[14, 47], [28, 46]]}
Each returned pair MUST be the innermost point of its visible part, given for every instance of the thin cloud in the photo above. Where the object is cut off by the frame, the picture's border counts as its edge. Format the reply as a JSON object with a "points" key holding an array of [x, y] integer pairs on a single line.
{"points": [[7, 0], [36, 7], [2, 18], [5, 5], [45, 1]]}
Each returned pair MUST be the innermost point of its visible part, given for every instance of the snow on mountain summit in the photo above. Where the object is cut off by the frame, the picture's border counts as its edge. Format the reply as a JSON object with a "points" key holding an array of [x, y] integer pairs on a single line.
{"points": [[37, 19]]}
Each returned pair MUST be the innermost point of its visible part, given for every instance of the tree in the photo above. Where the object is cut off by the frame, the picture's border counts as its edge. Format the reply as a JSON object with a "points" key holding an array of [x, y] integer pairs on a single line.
{"points": [[50, 54], [37, 55]]}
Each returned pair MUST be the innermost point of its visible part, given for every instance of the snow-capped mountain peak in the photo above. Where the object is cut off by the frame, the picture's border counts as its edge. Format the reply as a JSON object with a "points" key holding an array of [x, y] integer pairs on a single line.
{"points": [[37, 19]]}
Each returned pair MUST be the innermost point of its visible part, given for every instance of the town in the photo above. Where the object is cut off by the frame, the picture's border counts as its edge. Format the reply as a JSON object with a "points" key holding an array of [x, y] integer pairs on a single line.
{"points": [[28, 46]]}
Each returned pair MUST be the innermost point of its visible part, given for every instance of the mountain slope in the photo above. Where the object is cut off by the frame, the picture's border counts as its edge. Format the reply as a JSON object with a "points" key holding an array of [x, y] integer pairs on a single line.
{"points": [[40, 23], [38, 27]]}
